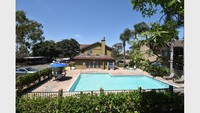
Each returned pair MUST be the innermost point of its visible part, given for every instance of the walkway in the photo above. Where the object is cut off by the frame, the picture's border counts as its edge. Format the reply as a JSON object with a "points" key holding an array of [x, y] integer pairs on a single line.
{"points": [[66, 82]]}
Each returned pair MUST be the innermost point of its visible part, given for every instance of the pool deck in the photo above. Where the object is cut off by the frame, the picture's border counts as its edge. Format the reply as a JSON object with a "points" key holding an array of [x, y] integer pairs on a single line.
{"points": [[66, 82]]}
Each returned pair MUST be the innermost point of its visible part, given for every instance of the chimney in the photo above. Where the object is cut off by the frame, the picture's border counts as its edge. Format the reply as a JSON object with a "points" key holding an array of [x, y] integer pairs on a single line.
{"points": [[103, 46]]}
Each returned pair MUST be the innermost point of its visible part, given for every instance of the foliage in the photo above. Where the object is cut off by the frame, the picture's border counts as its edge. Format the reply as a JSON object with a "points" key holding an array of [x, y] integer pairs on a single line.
{"points": [[68, 48], [115, 54], [169, 9], [46, 49], [140, 62], [130, 102], [28, 32], [26, 80], [117, 49], [158, 70], [162, 32]]}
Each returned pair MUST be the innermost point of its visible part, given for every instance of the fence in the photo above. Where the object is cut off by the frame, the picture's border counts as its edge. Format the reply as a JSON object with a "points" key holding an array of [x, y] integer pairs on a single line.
{"points": [[66, 93]]}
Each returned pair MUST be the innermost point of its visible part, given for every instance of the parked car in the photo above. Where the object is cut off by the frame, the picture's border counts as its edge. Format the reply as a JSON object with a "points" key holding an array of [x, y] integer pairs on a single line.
{"points": [[25, 70]]}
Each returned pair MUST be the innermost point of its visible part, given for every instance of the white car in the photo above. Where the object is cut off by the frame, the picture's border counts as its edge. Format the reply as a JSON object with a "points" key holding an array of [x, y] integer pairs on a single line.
{"points": [[25, 70]]}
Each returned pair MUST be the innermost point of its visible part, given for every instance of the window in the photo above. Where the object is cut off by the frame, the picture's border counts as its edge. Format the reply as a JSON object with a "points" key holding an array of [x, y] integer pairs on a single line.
{"points": [[89, 51]]}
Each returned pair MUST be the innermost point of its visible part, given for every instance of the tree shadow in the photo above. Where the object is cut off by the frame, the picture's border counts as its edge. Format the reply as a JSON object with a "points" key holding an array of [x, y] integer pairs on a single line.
{"points": [[65, 78], [33, 87]]}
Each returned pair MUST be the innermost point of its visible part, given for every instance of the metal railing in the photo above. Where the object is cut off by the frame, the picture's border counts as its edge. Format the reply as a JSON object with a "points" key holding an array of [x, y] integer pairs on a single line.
{"points": [[66, 93]]}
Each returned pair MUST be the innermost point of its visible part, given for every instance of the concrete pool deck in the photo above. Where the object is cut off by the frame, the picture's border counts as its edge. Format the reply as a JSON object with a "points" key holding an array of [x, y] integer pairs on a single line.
{"points": [[66, 82]]}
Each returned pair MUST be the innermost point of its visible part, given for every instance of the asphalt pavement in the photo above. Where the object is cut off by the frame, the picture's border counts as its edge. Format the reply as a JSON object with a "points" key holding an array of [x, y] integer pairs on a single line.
{"points": [[40, 66]]}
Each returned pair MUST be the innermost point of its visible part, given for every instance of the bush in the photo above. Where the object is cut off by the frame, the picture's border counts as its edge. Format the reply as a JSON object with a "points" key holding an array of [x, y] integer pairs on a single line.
{"points": [[26, 80], [131, 102]]}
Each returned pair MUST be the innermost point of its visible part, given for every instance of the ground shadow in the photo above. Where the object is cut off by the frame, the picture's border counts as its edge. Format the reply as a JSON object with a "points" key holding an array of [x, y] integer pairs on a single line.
{"points": [[65, 78], [30, 89], [33, 87]]}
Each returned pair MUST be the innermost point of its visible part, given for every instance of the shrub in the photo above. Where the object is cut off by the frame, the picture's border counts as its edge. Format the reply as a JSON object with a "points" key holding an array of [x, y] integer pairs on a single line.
{"points": [[131, 102], [25, 80]]}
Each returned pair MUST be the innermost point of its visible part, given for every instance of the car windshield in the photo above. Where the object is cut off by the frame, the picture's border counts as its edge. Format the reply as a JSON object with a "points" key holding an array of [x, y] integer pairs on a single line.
{"points": [[30, 69]]}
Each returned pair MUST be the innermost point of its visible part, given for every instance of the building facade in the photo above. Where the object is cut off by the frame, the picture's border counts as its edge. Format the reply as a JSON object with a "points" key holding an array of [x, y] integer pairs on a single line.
{"points": [[96, 55], [178, 55]]}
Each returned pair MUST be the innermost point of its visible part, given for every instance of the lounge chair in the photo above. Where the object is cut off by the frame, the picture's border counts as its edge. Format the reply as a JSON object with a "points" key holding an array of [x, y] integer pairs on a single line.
{"points": [[169, 77], [181, 80]]}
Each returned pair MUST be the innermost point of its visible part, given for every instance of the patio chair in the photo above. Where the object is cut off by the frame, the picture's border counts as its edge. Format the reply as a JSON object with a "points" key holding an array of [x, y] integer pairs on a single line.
{"points": [[181, 80], [169, 77]]}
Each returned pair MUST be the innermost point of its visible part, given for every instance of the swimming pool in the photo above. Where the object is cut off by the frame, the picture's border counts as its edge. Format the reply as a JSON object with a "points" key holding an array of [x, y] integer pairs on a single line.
{"points": [[92, 82]]}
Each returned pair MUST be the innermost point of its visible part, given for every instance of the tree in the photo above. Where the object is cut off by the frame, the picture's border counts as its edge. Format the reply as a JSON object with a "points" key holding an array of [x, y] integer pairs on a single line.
{"points": [[28, 32], [139, 28], [164, 31], [125, 36], [117, 50], [174, 8], [68, 48], [46, 49]]}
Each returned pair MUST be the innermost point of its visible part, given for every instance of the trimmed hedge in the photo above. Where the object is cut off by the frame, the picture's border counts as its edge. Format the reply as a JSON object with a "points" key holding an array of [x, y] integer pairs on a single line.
{"points": [[26, 80], [132, 102]]}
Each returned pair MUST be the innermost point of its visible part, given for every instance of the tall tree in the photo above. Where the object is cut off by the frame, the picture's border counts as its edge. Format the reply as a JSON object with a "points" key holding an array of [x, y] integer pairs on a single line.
{"points": [[124, 37], [28, 32], [140, 27], [68, 48]]}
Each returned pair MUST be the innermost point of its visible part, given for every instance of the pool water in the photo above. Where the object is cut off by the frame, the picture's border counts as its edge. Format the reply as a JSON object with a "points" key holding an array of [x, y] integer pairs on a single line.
{"points": [[92, 82]]}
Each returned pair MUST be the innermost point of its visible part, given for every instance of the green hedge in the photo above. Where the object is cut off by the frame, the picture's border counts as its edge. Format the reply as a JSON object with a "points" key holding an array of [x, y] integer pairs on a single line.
{"points": [[25, 80], [132, 102]]}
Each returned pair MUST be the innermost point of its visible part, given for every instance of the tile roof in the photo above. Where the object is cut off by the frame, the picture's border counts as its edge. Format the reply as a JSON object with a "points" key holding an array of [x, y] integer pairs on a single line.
{"points": [[83, 46]]}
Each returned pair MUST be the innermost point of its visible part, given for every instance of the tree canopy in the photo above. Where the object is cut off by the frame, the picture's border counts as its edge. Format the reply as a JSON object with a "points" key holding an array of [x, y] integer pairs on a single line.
{"points": [[117, 50], [169, 8], [46, 49], [68, 48], [28, 32]]}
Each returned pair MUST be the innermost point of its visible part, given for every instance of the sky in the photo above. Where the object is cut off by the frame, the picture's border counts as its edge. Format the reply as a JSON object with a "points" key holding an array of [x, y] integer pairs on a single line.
{"points": [[87, 21]]}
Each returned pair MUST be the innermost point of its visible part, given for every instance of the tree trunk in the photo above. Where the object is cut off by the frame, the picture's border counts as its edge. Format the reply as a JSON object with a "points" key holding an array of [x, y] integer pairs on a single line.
{"points": [[171, 56], [124, 56]]}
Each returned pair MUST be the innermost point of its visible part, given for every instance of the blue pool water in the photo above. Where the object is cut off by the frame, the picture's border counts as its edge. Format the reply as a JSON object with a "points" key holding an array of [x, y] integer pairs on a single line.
{"points": [[92, 82]]}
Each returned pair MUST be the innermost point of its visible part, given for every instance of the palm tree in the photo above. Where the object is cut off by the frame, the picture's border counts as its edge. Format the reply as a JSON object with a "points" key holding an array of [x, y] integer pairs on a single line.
{"points": [[140, 27], [125, 36]]}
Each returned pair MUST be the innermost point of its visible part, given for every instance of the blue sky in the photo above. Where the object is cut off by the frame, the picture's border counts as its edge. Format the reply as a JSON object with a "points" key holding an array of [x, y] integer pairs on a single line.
{"points": [[87, 21]]}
